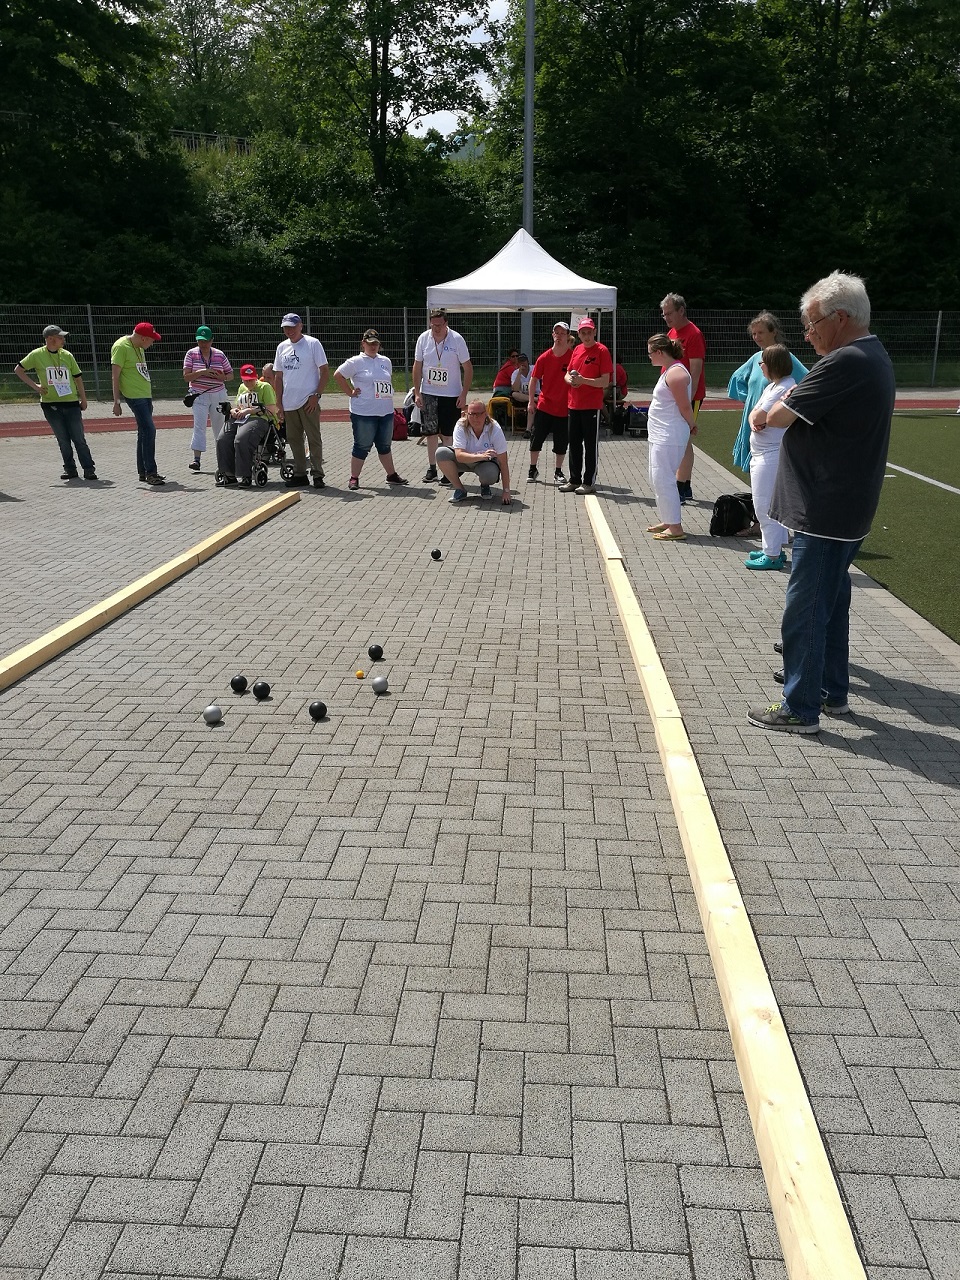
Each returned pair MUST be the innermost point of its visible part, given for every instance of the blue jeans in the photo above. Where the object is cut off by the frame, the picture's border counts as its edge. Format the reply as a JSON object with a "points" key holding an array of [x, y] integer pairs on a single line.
{"points": [[142, 410], [370, 430], [66, 423], [816, 625]]}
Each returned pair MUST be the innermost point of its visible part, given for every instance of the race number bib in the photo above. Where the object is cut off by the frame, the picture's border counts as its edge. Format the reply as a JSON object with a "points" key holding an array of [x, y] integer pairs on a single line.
{"points": [[144, 372], [383, 390], [437, 377], [59, 379]]}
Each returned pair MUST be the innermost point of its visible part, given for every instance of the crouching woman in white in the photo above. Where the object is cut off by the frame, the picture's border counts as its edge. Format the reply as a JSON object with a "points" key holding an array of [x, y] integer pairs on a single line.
{"points": [[776, 364], [480, 446], [670, 425]]}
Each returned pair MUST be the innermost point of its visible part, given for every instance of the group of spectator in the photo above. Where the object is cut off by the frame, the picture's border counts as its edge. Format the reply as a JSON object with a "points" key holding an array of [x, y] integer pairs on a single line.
{"points": [[815, 442]]}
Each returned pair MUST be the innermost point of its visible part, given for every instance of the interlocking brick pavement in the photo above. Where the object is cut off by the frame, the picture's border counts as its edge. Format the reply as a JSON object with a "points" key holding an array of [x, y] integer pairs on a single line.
{"points": [[422, 989]]}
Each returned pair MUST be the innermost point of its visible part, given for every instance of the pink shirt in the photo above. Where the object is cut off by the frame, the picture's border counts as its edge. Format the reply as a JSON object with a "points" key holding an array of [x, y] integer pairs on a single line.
{"points": [[206, 376]]}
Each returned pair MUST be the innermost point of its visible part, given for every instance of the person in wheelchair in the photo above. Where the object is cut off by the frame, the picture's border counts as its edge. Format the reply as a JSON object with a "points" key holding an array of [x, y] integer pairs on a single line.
{"points": [[246, 428]]}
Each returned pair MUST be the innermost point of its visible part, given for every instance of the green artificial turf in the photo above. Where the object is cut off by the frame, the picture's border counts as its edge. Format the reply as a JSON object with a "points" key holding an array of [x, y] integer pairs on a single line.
{"points": [[911, 548]]}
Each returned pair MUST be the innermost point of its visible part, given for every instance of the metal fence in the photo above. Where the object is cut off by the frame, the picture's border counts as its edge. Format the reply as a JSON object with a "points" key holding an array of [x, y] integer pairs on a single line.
{"points": [[925, 346]]}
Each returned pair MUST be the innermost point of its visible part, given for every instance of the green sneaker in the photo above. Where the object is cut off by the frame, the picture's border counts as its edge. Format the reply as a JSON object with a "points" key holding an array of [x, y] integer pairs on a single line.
{"points": [[777, 717]]}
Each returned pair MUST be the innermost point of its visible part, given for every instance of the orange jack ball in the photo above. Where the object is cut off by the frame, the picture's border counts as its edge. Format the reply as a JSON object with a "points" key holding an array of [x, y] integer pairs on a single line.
{"points": [[359, 675]]}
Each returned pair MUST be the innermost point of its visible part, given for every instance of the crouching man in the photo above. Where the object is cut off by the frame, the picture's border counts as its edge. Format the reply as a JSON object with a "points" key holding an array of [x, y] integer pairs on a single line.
{"points": [[248, 425], [480, 446]]}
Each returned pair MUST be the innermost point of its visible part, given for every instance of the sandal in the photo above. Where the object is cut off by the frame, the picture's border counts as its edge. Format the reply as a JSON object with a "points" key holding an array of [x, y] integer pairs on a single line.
{"points": [[750, 532], [666, 536], [656, 528]]}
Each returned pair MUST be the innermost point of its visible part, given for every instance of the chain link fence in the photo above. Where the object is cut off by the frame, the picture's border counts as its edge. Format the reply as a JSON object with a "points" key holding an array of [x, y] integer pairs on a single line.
{"points": [[924, 345]]}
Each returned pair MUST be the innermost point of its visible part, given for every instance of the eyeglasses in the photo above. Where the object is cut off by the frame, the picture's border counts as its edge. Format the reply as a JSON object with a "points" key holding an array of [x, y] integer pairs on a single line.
{"points": [[476, 413], [812, 324]]}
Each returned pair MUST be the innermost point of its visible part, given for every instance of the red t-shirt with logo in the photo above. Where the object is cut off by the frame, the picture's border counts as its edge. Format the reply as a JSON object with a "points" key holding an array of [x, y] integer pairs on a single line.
{"points": [[694, 348], [589, 362], [549, 370]]}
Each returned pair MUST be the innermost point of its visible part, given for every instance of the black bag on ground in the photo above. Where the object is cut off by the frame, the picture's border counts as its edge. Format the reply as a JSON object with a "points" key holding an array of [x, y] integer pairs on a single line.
{"points": [[731, 513]]}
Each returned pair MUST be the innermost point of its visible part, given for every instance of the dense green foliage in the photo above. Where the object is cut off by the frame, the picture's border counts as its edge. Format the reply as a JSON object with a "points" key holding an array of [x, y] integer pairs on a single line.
{"points": [[734, 150]]}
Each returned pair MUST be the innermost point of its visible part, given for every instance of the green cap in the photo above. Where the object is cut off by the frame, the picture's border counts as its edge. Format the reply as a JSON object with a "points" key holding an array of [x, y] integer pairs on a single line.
{"points": [[204, 333]]}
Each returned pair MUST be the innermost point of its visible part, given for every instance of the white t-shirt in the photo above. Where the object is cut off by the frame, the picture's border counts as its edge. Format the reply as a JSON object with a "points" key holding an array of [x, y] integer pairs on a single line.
{"points": [[521, 381], [665, 423], [300, 363], [491, 437], [441, 363], [373, 375], [770, 437]]}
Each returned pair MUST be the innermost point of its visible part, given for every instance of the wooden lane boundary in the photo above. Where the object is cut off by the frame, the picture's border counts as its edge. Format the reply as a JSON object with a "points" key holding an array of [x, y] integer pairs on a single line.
{"points": [[814, 1230], [33, 655]]}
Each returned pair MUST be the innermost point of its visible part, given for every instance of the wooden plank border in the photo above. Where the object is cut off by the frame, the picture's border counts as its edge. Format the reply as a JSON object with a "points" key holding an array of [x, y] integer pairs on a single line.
{"points": [[33, 655], [814, 1230]]}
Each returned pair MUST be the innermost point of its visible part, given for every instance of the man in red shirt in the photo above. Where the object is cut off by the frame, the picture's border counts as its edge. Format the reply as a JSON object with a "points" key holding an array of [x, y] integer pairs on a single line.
{"points": [[674, 312], [551, 416], [587, 375]]}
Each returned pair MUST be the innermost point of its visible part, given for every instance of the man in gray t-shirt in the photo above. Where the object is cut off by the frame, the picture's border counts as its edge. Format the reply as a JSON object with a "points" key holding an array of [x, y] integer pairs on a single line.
{"points": [[832, 463]]}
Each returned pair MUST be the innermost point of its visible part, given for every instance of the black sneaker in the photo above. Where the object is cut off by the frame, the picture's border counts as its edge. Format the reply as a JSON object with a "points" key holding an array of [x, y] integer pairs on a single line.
{"points": [[70, 475], [429, 475], [778, 646], [559, 477], [89, 475], [532, 473], [142, 476], [195, 465], [777, 717], [778, 676], [229, 481], [297, 482], [245, 484], [445, 481], [154, 479], [393, 478], [685, 491], [319, 482]]}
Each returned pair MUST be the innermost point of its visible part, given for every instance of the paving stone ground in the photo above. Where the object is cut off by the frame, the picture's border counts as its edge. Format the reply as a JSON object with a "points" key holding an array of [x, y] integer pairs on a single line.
{"points": [[421, 990]]}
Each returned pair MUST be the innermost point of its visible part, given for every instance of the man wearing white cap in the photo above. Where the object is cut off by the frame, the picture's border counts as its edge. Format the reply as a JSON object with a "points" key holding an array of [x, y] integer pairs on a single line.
{"points": [[588, 374], [62, 399], [301, 371]]}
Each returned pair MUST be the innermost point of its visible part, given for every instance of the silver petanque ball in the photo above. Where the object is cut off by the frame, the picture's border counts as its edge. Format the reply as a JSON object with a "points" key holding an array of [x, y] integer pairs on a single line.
{"points": [[379, 684], [212, 714]]}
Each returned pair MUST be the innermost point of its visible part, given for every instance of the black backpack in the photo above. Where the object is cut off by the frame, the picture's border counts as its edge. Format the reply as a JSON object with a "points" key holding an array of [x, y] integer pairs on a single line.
{"points": [[731, 513]]}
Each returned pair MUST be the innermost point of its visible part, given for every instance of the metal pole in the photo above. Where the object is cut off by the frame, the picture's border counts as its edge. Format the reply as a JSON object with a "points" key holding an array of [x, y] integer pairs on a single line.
{"points": [[499, 343], [936, 350], [528, 72], [309, 330], [93, 351], [203, 314], [406, 350]]}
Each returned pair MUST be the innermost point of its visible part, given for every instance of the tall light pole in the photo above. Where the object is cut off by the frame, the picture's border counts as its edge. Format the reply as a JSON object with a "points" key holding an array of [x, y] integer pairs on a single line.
{"points": [[526, 319]]}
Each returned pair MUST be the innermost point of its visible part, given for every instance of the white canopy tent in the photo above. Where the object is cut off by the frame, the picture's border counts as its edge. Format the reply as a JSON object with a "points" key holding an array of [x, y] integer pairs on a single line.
{"points": [[523, 277]]}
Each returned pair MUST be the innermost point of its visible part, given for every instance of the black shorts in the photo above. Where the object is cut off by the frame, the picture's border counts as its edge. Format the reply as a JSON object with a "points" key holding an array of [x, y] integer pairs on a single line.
{"points": [[547, 424], [440, 415]]}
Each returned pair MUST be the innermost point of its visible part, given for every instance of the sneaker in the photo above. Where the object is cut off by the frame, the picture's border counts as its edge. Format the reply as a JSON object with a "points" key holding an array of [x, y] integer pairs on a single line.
{"points": [[245, 484], [486, 491], [393, 478], [778, 646], [230, 480], [141, 475], [458, 495], [766, 562], [685, 490], [430, 475], [835, 708], [318, 481], [532, 473], [444, 481], [89, 475], [297, 482], [155, 480], [353, 482], [779, 676], [586, 488], [73, 475], [776, 717], [567, 487], [195, 465], [558, 477]]}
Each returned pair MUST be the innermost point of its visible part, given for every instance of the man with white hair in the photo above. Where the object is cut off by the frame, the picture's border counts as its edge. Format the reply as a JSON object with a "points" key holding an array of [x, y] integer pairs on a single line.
{"points": [[832, 463]]}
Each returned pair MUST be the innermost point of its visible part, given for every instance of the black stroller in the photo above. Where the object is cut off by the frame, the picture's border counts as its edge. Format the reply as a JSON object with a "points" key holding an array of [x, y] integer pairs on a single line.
{"points": [[270, 452]]}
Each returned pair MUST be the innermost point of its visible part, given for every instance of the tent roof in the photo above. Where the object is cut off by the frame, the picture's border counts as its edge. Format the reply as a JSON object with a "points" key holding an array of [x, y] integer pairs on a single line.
{"points": [[522, 277]]}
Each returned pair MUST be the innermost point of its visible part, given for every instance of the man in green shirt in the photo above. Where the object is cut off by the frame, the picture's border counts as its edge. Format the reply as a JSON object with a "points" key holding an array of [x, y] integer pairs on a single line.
{"points": [[131, 379], [63, 399]]}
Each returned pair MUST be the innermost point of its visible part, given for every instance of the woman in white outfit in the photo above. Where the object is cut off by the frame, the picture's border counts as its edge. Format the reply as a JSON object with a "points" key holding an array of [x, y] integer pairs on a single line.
{"points": [[670, 425], [776, 364]]}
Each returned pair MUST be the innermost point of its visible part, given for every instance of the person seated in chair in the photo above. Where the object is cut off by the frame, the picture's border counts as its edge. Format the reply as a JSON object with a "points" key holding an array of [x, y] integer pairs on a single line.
{"points": [[246, 428], [520, 391], [479, 445], [615, 394], [503, 382]]}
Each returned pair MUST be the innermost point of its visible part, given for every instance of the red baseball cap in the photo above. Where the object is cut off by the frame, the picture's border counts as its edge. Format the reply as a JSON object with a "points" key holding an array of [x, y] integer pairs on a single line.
{"points": [[586, 323], [248, 371], [146, 330]]}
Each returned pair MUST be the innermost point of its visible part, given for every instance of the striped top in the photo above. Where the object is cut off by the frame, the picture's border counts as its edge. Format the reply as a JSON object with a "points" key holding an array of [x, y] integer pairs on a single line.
{"points": [[206, 376]]}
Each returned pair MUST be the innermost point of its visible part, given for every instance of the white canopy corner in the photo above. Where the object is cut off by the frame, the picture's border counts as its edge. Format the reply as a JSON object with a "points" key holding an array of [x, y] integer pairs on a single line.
{"points": [[522, 277]]}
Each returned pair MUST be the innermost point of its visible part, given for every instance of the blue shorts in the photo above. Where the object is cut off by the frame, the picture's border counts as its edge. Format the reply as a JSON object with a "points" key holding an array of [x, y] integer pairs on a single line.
{"points": [[370, 430]]}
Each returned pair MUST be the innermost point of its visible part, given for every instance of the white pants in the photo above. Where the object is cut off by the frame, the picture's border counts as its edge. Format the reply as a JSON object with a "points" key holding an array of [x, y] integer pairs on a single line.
{"points": [[662, 463], [763, 475], [204, 408]]}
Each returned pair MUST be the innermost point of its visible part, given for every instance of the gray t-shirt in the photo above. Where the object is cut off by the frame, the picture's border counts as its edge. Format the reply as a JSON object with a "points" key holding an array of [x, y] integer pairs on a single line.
{"points": [[834, 455]]}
